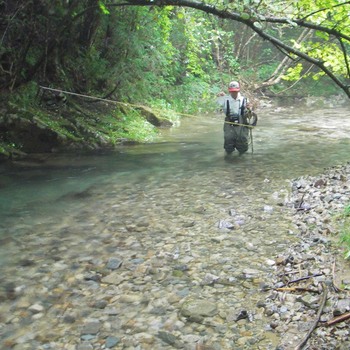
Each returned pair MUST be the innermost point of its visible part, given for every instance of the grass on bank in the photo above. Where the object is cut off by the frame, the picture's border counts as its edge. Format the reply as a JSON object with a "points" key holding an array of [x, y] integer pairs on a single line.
{"points": [[77, 121], [345, 230]]}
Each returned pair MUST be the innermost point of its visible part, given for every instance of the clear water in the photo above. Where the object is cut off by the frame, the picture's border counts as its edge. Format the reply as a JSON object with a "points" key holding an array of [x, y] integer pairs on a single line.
{"points": [[287, 143], [162, 199]]}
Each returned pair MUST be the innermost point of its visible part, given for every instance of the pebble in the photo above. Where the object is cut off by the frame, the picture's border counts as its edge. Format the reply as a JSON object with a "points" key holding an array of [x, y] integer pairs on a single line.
{"points": [[36, 308], [85, 346], [111, 342]]}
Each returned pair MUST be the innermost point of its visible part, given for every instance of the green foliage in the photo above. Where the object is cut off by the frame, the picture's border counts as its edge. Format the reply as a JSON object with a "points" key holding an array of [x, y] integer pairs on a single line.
{"points": [[232, 62], [196, 50], [25, 96], [91, 65], [322, 46], [293, 73], [6, 149], [148, 51], [343, 221], [103, 8], [127, 125], [347, 211], [330, 54], [166, 57], [197, 93], [58, 124], [140, 53], [265, 71], [164, 107]]}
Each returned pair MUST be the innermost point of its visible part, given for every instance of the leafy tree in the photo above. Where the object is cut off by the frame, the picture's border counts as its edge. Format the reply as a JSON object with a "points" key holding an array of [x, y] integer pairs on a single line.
{"points": [[39, 38], [161, 52], [326, 19]]}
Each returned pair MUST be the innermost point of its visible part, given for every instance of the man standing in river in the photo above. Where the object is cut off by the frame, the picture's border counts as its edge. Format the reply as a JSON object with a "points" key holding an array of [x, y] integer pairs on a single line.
{"points": [[236, 110]]}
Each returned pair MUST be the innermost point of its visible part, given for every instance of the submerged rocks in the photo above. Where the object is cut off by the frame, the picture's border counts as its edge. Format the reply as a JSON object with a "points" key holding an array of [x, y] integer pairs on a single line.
{"points": [[198, 308], [166, 275]]}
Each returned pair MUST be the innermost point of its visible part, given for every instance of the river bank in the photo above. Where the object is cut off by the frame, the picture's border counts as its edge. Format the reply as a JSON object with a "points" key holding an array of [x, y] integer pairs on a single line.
{"points": [[56, 123], [312, 282]]}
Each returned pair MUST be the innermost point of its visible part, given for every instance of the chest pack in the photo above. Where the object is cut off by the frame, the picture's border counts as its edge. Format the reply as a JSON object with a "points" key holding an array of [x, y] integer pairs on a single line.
{"points": [[235, 117]]}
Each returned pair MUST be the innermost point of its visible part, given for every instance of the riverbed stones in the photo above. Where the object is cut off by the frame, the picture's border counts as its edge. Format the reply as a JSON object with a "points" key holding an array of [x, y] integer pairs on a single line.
{"points": [[151, 279], [85, 346], [91, 327], [113, 278], [114, 263], [111, 342], [36, 308], [198, 308]]}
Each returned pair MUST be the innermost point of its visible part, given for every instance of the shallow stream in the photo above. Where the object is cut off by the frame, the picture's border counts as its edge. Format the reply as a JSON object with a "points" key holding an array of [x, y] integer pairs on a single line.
{"points": [[124, 241]]}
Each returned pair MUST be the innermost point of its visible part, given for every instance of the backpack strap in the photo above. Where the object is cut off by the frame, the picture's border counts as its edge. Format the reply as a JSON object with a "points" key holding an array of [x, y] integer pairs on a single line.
{"points": [[243, 106], [227, 108]]}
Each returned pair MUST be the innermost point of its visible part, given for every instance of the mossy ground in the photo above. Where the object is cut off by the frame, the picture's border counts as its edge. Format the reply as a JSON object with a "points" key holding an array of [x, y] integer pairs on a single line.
{"points": [[53, 124]]}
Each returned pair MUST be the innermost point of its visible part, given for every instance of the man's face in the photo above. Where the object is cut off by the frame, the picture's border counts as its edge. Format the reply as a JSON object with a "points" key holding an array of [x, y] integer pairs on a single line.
{"points": [[233, 94]]}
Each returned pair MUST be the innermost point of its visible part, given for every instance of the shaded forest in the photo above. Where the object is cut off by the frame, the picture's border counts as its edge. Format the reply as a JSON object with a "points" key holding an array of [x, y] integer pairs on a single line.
{"points": [[156, 62]]}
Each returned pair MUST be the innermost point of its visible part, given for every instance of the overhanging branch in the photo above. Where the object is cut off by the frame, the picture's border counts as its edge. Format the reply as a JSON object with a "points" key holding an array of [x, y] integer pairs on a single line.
{"points": [[251, 22]]}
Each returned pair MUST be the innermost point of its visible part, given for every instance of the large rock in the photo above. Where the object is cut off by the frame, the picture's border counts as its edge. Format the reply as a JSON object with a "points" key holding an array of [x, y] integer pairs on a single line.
{"points": [[155, 119], [198, 308]]}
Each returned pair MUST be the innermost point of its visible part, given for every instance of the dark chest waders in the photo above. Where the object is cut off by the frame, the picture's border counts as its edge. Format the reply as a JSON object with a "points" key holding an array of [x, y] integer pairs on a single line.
{"points": [[235, 133], [234, 117]]}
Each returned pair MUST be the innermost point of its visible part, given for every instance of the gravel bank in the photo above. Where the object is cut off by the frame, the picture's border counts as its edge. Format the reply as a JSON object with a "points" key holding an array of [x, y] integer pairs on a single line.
{"points": [[312, 280]]}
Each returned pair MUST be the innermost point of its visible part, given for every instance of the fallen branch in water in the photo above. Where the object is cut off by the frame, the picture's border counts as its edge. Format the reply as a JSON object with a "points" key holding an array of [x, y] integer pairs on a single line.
{"points": [[302, 209], [338, 319], [301, 202], [225, 282], [336, 289], [297, 289], [288, 273], [305, 278], [318, 316]]}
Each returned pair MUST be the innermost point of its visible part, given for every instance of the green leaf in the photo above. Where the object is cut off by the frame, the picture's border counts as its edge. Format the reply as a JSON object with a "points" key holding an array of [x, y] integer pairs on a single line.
{"points": [[257, 25], [245, 15], [103, 8]]}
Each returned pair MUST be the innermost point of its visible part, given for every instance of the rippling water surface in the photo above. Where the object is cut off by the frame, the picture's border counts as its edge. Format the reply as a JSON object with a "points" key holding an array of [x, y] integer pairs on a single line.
{"points": [[167, 198], [288, 142]]}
